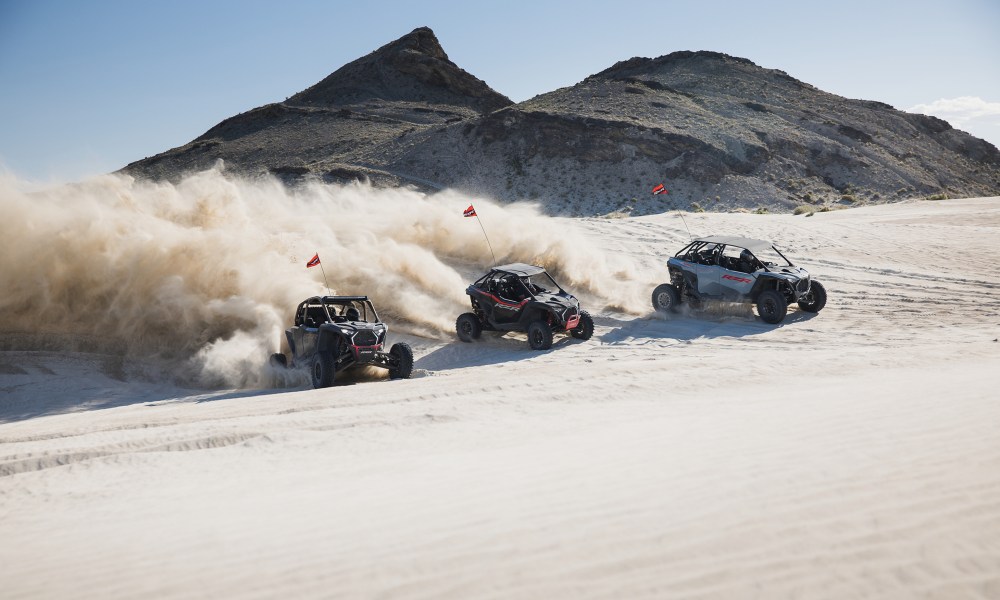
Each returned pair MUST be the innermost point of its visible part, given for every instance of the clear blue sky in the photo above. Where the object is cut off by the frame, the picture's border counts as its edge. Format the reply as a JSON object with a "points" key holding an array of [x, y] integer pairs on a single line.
{"points": [[86, 87]]}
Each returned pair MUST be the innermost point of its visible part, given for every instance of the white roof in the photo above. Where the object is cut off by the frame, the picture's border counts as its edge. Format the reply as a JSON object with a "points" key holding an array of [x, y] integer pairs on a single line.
{"points": [[739, 242]]}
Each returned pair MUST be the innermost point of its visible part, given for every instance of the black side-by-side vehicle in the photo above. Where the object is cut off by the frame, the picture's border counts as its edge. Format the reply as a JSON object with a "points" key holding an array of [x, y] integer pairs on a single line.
{"points": [[334, 333], [520, 297]]}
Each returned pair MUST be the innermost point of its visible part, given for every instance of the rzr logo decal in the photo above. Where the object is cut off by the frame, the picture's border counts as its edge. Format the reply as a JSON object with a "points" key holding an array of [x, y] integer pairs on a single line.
{"points": [[735, 278]]}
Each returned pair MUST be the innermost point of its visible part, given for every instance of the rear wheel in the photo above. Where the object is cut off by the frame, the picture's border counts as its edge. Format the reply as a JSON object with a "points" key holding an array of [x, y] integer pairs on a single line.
{"points": [[402, 356], [666, 298], [323, 370], [585, 328], [539, 335], [772, 306], [815, 300], [468, 327]]}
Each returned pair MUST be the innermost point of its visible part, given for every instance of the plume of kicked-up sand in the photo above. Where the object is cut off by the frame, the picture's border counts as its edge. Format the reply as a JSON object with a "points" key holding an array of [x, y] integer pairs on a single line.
{"points": [[205, 274]]}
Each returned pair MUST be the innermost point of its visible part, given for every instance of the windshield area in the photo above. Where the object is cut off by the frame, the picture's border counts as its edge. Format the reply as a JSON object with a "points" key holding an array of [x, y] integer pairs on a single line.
{"points": [[312, 314], [771, 258], [541, 283], [355, 310]]}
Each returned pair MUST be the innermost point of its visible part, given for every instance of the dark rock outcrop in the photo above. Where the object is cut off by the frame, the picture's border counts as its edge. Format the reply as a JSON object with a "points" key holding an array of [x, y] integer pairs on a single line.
{"points": [[714, 127]]}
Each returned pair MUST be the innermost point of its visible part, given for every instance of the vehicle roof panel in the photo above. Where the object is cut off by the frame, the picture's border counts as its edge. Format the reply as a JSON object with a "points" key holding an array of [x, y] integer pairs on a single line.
{"points": [[520, 269], [734, 240]]}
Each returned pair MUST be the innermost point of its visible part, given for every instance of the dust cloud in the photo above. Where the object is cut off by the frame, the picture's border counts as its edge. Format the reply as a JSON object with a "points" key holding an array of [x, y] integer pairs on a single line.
{"points": [[204, 275]]}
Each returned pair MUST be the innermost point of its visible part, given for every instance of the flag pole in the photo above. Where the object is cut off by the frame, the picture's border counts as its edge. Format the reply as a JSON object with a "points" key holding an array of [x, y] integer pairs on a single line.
{"points": [[328, 292], [480, 221], [661, 189]]}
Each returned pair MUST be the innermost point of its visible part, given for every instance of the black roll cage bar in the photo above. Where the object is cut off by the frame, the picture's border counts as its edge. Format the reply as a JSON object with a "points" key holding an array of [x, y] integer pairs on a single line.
{"points": [[324, 302], [718, 250], [520, 279]]}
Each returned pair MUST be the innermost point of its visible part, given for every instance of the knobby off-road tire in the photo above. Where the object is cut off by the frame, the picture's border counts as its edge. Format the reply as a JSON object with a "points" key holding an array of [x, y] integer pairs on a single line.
{"points": [[817, 298], [666, 299], [772, 306], [323, 370], [585, 328], [403, 355], [468, 327], [539, 335]]}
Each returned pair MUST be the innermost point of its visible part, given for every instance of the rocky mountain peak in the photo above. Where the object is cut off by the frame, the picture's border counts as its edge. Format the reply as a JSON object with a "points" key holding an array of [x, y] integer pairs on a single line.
{"points": [[421, 40], [413, 68]]}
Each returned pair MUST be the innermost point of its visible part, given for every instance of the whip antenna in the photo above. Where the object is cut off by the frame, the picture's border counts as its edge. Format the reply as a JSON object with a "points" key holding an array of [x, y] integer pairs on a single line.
{"points": [[471, 212], [661, 189], [681, 215]]}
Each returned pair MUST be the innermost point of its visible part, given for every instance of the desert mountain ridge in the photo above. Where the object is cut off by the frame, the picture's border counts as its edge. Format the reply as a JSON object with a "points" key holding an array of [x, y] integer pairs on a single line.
{"points": [[720, 131]]}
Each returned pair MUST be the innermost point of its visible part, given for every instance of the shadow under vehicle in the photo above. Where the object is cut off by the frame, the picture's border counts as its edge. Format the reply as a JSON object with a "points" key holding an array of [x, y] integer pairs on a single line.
{"points": [[335, 333], [520, 297], [738, 269]]}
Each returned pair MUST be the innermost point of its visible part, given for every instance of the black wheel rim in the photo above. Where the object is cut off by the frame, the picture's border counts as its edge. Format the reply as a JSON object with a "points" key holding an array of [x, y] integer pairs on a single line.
{"points": [[536, 337], [467, 328], [769, 308]]}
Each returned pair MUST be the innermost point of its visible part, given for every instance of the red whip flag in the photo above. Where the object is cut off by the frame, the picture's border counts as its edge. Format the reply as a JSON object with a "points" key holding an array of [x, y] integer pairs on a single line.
{"points": [[659, 189], [314, 261], [469, 212]]}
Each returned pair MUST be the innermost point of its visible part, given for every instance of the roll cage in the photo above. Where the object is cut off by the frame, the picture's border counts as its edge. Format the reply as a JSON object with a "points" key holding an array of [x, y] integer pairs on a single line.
{"points": [[718, 252], [514, 285], [317, 310]]}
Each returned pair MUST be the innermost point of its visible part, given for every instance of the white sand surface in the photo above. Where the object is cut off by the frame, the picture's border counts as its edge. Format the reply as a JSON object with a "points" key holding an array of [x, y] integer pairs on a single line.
{"points": [[849, 454]]}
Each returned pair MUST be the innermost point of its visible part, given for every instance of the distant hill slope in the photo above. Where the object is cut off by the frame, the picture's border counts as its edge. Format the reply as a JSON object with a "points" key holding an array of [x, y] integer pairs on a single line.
{"points": [[720, 131]]}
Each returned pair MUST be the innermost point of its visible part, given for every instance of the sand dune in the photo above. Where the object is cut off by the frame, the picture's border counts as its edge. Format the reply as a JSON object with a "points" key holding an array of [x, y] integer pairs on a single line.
{"points": [[850, 454]]}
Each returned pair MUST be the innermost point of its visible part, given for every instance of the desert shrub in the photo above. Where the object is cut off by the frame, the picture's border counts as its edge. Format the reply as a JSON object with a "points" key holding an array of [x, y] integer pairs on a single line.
{"points": [[849, 198], [803, 209], [938, 197], [761, 210], [695, 207], [810, 213], [825, 209]]}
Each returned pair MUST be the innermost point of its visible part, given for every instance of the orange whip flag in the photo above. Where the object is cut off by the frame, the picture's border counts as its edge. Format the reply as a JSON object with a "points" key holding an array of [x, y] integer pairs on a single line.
{"points": [[314, 261], [471, 212], [659, 189]]}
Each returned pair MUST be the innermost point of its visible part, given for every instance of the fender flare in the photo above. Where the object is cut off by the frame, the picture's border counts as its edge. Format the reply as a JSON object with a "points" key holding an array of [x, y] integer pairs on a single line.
{"points": [[328, 341], [764, 281]]}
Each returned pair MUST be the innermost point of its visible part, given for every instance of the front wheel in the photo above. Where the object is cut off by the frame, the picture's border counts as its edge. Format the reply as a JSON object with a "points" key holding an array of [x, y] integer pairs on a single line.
{"points": [[468, 327], [815, 300], [665, 298], [323, 370], [402, 358], [539, 335], [772, 306], [585, 328]]}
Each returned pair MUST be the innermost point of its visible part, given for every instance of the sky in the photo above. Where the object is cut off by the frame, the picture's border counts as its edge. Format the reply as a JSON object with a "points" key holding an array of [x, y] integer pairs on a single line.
{"points": [[87, 87]]}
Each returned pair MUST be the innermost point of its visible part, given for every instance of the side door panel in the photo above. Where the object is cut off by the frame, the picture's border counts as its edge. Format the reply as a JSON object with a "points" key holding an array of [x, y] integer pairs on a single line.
{"points": [[735, 284]]}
